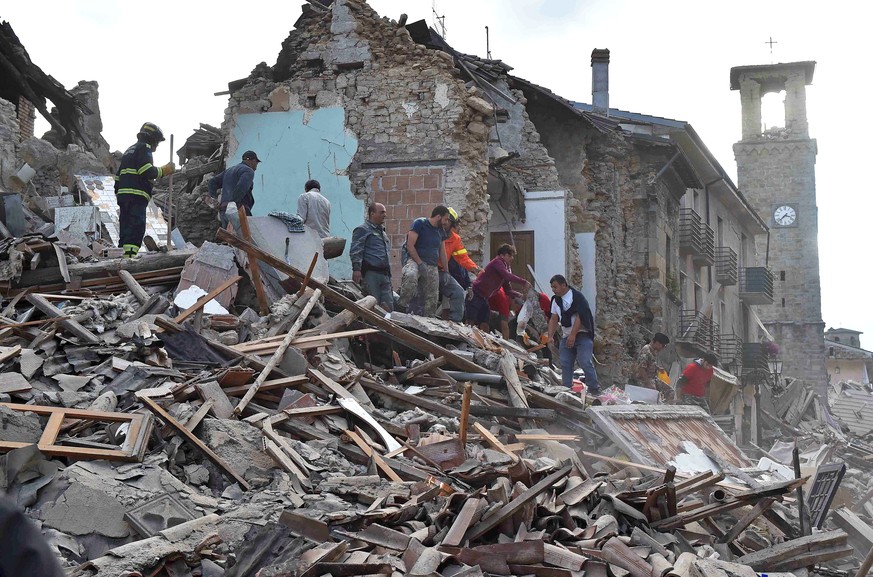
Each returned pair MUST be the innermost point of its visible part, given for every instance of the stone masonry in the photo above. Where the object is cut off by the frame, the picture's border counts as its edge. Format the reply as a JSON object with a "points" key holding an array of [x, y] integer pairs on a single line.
{"points": [[777, 168], [405, 105]]}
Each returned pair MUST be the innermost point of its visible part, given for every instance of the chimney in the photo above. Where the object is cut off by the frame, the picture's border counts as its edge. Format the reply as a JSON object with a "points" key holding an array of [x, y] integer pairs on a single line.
{"points": [[600, 81]]}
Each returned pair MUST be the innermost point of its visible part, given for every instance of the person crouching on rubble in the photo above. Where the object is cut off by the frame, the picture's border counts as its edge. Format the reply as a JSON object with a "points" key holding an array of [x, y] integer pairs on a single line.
{"points": [[236, 184], [133, 186], [691, 388], [646, 368]]}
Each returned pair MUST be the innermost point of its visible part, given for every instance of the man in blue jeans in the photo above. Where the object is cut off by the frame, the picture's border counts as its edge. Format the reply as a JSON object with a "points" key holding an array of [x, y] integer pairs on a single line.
{"points": [[571, 310]]}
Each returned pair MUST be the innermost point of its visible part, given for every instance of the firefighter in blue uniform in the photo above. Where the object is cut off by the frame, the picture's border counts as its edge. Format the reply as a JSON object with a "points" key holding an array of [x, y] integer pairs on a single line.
{"points": [[133, 186]]}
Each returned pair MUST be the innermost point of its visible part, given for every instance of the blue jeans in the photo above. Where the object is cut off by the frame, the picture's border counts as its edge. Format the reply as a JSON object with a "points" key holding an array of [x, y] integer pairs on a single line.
{"points": [[580, 354], [379, 285]]}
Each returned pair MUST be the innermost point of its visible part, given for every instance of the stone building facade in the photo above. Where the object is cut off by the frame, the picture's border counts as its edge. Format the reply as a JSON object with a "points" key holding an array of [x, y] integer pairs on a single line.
{"points": [[776, 169], [384, 112], [354, 102]]}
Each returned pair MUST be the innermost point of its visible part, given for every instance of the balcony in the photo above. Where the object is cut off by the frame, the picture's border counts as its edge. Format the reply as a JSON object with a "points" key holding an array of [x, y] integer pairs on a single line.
{"points": [[730, 349], [696, 238], [756, 285], [698, 331], [726, 269]]}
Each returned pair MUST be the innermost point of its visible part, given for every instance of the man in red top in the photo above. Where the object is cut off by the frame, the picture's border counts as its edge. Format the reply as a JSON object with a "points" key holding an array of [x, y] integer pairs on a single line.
{"points": [[496, 274], [691, 386]]}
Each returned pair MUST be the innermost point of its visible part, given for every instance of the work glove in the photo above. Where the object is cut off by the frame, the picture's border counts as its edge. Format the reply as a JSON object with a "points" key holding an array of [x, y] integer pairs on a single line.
{"points": [[422, 266], [168, 169], [444, 277]]}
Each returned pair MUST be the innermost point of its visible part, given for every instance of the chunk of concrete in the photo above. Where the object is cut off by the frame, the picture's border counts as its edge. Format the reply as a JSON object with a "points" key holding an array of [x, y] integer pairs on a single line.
{"points": [[158, 514], [239, 444], [19, 426], [82, 510]]}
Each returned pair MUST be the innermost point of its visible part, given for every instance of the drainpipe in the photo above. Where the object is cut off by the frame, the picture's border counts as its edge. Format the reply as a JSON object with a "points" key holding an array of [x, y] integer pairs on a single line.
{"points": [[600, 81]]}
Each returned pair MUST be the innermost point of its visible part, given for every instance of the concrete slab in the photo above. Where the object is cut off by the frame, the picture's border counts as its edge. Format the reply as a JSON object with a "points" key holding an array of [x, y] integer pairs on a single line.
{"points": [[271, 235], [82, 510]]}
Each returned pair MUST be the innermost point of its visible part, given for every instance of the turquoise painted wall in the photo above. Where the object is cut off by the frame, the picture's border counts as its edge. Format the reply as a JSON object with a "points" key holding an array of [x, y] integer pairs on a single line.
{"points": [[293, 151]]}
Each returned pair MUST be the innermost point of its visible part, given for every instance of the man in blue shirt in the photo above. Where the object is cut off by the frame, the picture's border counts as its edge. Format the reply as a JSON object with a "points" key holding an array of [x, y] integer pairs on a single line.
{"points": [[236, 184], [369, 254], [425, 251]]}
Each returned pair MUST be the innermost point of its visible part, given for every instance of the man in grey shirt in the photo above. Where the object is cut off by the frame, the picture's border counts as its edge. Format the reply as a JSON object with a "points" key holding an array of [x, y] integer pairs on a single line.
{"points": [[369, 254], [314, 208]]}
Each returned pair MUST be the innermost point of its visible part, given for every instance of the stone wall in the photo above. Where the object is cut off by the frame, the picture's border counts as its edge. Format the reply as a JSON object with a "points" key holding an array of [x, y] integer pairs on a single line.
{"points": [[403, 104]]}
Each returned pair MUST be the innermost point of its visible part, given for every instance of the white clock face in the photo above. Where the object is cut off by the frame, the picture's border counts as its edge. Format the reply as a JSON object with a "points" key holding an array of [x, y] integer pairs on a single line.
{"points": [[784, 215]]}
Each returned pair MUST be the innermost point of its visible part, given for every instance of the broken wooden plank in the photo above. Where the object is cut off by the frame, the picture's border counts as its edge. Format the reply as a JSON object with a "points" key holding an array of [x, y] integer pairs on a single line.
{"points": [[494, 441], [516, 504], [70, 325], [269, 344], [465, 414], [197, 417], [747, 519], [210, 454], [279, 354], [423, 368], [782, 553], [377, 458], [254, 266], [468, 515], [134, 287], [400, 334], [512, 412], [312, 529], [201, 302]]}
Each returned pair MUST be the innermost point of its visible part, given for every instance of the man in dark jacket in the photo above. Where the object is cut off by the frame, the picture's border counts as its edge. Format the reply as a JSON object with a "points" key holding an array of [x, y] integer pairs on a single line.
{"points": [[571, 309], [369, 252], [23, 550], [236, 184], [133, 186]]}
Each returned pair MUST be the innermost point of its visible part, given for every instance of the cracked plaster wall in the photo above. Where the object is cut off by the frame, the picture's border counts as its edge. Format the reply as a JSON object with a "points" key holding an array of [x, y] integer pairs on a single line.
{"points": [[403, 105]]}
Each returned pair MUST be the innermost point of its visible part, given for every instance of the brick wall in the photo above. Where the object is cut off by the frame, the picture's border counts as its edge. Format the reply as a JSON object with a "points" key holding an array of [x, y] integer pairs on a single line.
{"points": [[26, 118], [407, 193]]}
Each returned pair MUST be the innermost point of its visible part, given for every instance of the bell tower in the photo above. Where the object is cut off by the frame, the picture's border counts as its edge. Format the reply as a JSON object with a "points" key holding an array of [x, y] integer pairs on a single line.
{"points": [[776, 172]]}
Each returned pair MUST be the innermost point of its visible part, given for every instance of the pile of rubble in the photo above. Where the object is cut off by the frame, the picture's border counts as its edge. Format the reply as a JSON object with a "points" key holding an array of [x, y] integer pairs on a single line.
{"points": [[153, 435]]}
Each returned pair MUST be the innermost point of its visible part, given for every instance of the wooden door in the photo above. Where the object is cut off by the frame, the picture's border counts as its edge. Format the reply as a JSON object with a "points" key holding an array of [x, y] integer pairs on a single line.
{"points": [[524, 246]]}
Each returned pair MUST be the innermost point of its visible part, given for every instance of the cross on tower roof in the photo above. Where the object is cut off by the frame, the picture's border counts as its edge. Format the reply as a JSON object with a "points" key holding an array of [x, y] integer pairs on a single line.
{"points": [[771, 42]]}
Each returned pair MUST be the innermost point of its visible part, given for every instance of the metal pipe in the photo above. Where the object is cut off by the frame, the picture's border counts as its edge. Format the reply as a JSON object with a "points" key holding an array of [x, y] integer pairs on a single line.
{"points": [[478, 377], [717, 496]]}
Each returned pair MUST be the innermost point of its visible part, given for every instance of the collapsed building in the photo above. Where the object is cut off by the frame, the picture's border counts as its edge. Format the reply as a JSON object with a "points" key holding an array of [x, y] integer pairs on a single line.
{"points": [[235, 407]]}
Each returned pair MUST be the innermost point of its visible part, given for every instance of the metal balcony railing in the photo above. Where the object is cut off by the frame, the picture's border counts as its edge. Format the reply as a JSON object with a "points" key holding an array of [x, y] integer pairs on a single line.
{"points": [[756, 285], [696, 237], [726, 267], [730, 348], [699, 330], [754, 357]]}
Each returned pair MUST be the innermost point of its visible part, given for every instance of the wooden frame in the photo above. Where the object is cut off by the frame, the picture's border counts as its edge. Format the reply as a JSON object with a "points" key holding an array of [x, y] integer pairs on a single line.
{"points": [[133, 448]]}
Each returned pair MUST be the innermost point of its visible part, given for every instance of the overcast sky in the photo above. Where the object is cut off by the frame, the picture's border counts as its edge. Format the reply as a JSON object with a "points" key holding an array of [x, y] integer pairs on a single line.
{"points": [[162, 61]]}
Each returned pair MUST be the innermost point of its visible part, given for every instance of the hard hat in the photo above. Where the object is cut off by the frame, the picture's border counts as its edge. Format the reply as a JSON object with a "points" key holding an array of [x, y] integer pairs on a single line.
{"points": [[152, 131], [453, 214]]}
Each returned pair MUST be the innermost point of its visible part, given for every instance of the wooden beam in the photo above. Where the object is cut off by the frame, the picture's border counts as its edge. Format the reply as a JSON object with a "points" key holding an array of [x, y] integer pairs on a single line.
{"points": [[747, 520], [513, 412], [377, 458], [70, 325], [308, 275], [201, 302], [134, 287], [279, 354], [263, 305], [423, 368], [396, 332], [189, 436], [465, 414]]}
